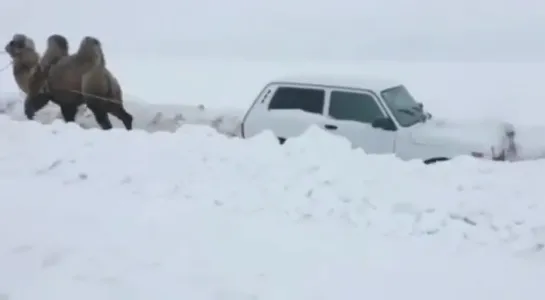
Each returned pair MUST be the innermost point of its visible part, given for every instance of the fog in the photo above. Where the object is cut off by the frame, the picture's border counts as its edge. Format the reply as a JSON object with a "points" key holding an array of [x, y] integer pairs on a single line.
{"points": [[465, 30]]}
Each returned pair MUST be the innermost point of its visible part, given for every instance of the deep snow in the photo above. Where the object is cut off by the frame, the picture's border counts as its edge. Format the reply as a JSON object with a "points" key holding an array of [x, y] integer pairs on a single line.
{"points": [[198, 215], [148, 117]]}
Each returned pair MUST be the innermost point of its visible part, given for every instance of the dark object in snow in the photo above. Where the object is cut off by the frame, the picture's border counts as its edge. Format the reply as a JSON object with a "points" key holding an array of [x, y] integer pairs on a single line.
{"points": [[509, 151], [22, 51], [77, 79], [57, 48], [101, 90], [39, 96], [60, 83]]}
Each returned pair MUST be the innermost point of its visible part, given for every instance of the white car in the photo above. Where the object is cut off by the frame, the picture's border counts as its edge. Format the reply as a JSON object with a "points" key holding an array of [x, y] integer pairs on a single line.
{"points": [[379, 116]]}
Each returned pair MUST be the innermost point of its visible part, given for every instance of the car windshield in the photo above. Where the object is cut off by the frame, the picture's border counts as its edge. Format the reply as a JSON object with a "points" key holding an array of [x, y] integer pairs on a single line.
{"points": [[401, 103]]}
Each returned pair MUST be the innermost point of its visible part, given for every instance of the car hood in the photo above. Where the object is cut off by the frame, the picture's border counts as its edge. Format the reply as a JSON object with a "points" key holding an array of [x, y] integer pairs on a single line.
{"points": [[482, 136]]}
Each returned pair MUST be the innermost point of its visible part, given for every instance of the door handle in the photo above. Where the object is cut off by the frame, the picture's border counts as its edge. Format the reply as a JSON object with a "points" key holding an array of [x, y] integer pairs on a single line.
{"points": [[330, 127]]}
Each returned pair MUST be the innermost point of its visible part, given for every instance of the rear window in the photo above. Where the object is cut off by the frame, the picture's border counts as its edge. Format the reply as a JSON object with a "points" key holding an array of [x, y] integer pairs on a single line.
{"points": [[305, 99]]}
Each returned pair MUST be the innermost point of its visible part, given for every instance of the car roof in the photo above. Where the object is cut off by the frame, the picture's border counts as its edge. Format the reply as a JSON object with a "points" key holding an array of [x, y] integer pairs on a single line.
{"points": [[346, 81]]}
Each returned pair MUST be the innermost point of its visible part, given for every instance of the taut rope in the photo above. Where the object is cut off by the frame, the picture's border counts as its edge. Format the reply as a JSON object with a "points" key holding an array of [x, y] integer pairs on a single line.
{"points": [[6, 66], [98, 97]]}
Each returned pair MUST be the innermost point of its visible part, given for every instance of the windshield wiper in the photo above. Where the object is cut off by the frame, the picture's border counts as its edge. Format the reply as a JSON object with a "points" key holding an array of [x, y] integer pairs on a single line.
{"points": [[422, 116], [407, 111]]}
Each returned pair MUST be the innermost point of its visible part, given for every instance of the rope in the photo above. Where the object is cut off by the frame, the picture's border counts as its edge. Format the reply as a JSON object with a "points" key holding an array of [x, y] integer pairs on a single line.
{"points": [[6, 66], [111, 100]]}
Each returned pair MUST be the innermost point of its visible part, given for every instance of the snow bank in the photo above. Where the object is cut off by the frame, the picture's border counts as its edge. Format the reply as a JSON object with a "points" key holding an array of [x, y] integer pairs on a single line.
{"points": [[148, 117], [197, 215]]}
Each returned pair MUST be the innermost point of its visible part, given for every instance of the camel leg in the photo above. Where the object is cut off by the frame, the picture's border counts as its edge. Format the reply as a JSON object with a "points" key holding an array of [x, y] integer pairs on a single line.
{"points": [[34, 104], [119, 112], [69, 103], [101, 116], [69, 112]]}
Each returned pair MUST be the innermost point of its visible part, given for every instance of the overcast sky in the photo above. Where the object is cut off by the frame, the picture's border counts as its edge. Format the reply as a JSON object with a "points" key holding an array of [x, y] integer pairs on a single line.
{"points": [[330, 29]]}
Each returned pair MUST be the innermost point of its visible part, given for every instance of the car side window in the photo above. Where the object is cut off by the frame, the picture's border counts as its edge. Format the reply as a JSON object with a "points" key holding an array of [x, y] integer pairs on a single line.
{"points": [[305, 99], [354, 106]]}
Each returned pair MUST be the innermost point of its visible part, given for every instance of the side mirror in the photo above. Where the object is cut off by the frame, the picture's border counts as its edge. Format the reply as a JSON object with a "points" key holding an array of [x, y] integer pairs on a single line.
{"points": [[420, 106], [384, 124]]}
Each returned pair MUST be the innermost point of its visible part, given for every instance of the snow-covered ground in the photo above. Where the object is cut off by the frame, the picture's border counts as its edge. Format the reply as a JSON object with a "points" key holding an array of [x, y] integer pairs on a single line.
{"points": [[197, 215], [147, 116], [193, 214]]}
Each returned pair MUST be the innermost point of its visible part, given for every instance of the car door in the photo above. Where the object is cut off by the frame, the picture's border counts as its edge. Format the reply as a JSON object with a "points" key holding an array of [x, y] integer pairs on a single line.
{"points": [[293, 109], [351, 113], [286, 110]]}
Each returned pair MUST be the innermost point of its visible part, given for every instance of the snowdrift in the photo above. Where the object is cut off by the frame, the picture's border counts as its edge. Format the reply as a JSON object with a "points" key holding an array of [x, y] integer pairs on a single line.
{"points": [[148, 117], [152, 117], [198, 215]]}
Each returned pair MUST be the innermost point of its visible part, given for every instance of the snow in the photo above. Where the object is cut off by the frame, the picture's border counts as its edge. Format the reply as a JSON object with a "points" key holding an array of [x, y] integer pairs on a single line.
{"points": [[185, 211], [197, 215], [147, 117]]}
